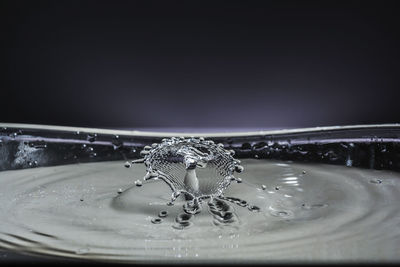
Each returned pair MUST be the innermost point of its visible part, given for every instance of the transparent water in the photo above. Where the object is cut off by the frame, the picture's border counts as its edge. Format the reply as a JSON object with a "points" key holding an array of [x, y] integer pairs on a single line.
{"points": [[307, 212]]}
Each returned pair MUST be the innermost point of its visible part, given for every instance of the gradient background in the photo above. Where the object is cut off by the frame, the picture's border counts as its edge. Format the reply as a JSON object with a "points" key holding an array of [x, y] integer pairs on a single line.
{"points": [[200, 64]]}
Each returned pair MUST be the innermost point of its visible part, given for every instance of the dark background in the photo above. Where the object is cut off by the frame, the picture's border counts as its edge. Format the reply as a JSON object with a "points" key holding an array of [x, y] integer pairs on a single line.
{"points": [[218, 64]]}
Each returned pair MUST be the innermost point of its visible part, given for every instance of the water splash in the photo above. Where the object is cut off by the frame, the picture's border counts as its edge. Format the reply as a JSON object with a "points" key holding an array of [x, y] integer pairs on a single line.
{"points": [[195, 167]]}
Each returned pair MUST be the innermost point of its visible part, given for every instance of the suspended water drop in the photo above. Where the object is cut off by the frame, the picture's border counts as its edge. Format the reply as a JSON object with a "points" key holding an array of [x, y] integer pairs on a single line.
{"points": [[127, 165], [138, 183]]}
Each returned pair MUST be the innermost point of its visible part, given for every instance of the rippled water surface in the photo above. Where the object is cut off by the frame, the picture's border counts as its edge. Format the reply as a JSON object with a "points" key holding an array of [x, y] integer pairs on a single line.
{"points": [[307, 212]]}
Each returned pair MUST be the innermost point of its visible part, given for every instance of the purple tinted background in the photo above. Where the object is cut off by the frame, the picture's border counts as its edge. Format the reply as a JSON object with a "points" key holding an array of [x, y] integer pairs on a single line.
{"points": [[199, 64]]}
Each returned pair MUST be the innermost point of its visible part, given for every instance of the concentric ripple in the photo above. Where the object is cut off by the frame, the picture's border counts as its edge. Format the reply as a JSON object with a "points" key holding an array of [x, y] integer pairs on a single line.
{"points": [[306, 212]]}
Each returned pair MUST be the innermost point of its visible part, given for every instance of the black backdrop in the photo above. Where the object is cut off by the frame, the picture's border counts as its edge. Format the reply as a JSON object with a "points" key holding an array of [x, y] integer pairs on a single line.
{"points": [[250, 64]]}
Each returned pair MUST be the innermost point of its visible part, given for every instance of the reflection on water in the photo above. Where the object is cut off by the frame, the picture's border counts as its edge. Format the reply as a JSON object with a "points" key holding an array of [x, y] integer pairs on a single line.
{"points": [[280, 211]]}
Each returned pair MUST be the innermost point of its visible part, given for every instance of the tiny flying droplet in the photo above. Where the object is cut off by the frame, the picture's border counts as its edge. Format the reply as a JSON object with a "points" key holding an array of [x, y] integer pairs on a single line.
{"points": [[127, 165], [138, 183]]}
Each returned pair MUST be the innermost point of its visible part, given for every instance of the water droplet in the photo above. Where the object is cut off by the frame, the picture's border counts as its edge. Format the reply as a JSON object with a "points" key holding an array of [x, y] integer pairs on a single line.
{"points": [[376, 181], [91, 137], [82, 251], [120, 191], [303, 172], [138, 183], [127, 165], [183, 217], [277, 187], [313, 206], [263, 187], [163, 214], [116, 142], [239, 168], [239, 180], [32, 163], [156, 220], [242, 203], [280, 213], [254, 208]]}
